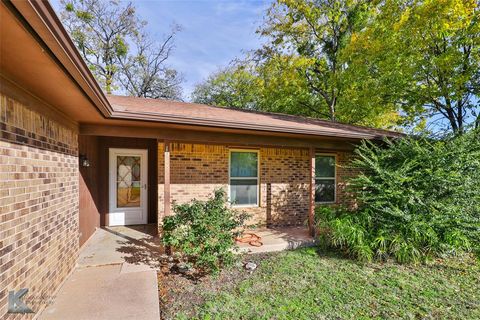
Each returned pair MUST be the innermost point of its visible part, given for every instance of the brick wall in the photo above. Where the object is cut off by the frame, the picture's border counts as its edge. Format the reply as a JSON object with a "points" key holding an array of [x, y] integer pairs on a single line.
{"points": [[345, 172], [284, 192], [38, 204], [197, 169]]}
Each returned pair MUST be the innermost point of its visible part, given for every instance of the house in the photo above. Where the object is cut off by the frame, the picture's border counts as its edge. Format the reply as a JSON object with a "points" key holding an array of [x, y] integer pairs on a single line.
{"points": [[73, 159]]}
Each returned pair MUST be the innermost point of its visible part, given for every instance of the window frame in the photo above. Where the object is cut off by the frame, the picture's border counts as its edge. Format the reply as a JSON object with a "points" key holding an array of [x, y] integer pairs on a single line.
{"points": [[334, 178], [257, 204]]}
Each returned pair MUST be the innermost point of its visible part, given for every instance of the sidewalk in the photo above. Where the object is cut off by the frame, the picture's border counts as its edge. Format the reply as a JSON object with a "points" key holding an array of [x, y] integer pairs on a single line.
{"points": [[113, 279]]}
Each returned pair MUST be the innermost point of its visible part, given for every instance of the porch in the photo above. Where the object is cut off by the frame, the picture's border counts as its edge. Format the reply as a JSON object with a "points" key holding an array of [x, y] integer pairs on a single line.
{"points": [[277, 239], [134, 181], [135, 247]]}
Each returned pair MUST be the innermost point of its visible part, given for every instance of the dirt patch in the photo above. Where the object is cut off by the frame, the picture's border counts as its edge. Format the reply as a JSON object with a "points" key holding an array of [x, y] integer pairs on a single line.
{"points": [[183, 292]]}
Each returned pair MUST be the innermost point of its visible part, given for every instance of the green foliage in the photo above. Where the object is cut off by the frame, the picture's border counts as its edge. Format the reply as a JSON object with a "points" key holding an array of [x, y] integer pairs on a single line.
{"points": [[277, 84], [204, 231], [378, 63], [234, 87], [274, 85], [419, 199], [101, 31], [301, 69], [422, 57], [69, 7], [112, 39], [82, 15], [318, 32]]}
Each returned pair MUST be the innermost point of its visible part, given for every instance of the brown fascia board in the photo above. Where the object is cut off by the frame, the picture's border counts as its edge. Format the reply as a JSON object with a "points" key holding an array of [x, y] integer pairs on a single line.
{"points": [[42, 22], [156, 117], [40, 19]]}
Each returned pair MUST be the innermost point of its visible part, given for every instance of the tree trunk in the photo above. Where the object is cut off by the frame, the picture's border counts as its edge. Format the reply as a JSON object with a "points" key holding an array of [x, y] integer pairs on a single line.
{"points": [[451, 117], [332, 106]]}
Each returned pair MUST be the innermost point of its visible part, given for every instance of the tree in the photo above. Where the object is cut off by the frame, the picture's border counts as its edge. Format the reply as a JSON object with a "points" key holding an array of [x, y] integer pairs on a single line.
{"points": [[423, 57], [301, 68], [145, 74], [287, 90], [101, 30], [234, 87], [104, 32], [317, 30], [273, 85]]}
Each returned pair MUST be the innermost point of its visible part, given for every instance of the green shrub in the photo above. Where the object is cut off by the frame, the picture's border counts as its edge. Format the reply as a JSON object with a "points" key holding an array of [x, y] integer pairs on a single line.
{"points": [[204, 231], [419, 198]]}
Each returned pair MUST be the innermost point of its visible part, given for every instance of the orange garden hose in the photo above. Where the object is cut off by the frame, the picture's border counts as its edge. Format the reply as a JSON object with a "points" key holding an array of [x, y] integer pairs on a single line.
{"points": [[250, 238]]}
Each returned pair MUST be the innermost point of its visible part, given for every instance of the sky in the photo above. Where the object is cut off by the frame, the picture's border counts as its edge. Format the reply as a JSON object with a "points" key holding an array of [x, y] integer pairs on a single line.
{"points": [[213, 32]]}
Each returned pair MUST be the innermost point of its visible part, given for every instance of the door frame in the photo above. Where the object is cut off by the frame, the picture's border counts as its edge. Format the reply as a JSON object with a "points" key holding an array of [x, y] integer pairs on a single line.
{"points": [[112, 173]]}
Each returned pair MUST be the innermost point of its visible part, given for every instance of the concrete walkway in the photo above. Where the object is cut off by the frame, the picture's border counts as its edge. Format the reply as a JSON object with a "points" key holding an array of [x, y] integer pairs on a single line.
{"points": [[115, 278]]}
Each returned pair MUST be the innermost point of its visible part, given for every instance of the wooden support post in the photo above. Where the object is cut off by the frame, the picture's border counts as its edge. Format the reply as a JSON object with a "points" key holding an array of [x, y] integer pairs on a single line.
{"points": [[166, 183], [311, 211]]}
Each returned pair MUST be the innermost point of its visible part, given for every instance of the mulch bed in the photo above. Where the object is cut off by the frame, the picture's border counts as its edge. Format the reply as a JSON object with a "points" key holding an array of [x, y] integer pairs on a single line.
{"points": [[182, 292]]}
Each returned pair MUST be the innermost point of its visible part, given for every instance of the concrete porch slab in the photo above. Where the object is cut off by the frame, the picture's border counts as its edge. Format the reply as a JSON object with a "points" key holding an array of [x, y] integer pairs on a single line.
{"points": [[279, 239], [111, 245]]}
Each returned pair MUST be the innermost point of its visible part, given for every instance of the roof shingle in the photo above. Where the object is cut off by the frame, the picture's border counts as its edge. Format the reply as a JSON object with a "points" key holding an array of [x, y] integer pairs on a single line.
{"points": [[205, 115]]}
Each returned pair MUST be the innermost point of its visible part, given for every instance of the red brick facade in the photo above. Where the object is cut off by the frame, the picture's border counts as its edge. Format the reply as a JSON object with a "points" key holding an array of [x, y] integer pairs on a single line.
{"points": [[38, 204], [196, 170]]}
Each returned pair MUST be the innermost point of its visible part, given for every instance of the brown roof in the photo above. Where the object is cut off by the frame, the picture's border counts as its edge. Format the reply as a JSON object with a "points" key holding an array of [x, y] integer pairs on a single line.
{"points": [[205, 115]]}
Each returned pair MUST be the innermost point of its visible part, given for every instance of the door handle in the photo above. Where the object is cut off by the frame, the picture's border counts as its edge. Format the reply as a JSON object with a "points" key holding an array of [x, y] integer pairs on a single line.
{"points": [[145, 186]]}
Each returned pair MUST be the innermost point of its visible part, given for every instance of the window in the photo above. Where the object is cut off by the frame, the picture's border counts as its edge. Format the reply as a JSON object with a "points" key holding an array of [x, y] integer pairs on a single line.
{"points": [[244, 178], [325, 178]]}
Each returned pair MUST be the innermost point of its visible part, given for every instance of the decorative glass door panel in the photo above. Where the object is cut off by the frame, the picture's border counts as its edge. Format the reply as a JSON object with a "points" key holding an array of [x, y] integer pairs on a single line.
{"points": [[129, 186]]}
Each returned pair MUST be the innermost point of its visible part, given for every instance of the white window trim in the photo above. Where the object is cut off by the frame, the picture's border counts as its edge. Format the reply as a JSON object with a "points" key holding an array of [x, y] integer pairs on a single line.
{"points": [[256, 205], [334, 178]]}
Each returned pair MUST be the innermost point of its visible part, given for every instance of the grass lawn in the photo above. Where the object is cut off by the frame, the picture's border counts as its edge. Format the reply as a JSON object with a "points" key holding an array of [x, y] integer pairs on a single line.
{"points": [[302, 284]]}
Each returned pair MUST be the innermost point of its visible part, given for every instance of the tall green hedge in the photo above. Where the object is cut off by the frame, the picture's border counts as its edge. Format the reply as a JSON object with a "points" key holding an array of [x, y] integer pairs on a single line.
{"points": [[418, 198]]}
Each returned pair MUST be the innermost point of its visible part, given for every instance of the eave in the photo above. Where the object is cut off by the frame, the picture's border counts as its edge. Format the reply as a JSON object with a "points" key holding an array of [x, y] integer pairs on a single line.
{"points": [[192, 121]]}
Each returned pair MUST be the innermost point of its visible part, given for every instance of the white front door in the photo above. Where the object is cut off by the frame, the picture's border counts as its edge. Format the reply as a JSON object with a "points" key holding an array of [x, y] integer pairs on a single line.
{"points": [[128, 192]]}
